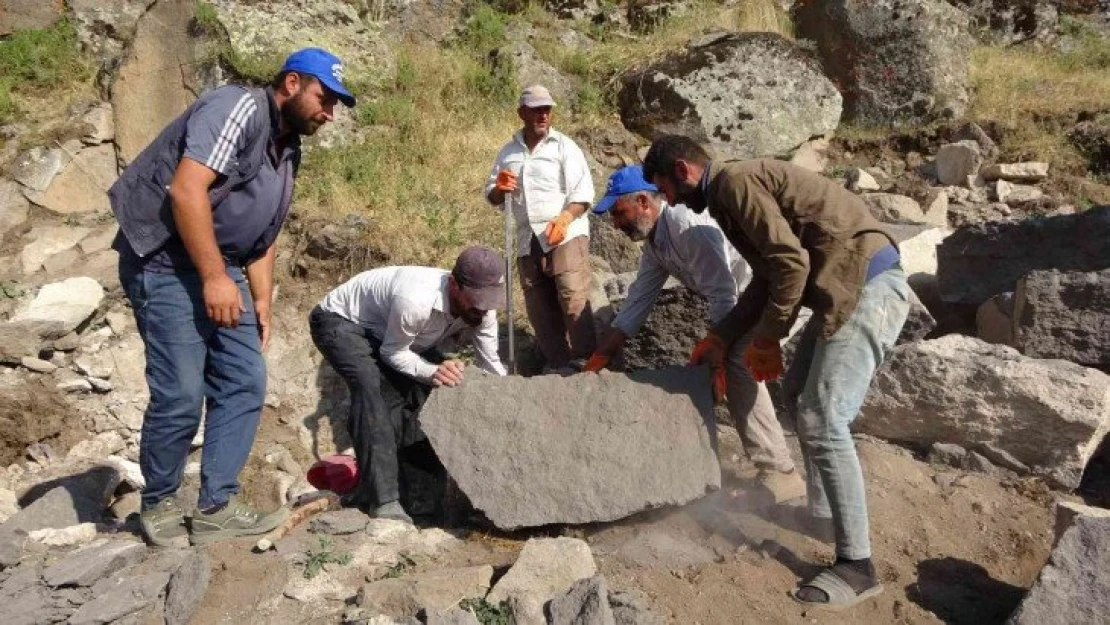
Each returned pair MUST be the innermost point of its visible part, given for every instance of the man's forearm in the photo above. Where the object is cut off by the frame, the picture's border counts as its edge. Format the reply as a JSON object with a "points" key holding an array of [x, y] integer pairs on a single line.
{"points": [[192, 215], [576, 208], [260, 276]]}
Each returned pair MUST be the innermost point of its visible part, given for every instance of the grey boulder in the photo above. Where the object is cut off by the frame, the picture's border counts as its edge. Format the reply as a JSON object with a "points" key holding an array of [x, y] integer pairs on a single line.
{"points": [[1073, 585], [588, 448], [896, 61], [1048, 414], [1064, 315], [745, 95], [585, 603], [979, 261]]}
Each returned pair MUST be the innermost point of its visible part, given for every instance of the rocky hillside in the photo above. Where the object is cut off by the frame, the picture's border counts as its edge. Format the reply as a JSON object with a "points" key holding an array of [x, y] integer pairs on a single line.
{"points": [[979, 130]]}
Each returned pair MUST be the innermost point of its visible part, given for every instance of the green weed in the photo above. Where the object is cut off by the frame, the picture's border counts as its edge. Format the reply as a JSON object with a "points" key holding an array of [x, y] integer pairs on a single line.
{"points": [[36, 63], [488, 613], [318, 559]]}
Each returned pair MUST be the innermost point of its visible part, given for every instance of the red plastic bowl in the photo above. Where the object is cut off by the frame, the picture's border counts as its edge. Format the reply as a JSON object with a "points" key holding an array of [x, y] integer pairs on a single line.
{"points": [[338, 474]]}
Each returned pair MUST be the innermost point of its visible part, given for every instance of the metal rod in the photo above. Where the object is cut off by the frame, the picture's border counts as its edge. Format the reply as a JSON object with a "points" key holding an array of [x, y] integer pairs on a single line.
{"points": [[509, 258]]}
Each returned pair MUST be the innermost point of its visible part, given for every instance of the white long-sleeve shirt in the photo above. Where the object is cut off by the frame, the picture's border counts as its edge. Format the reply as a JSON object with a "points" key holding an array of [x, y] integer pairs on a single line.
{"points": [[408, 310], [691, 247], [550, 177]]}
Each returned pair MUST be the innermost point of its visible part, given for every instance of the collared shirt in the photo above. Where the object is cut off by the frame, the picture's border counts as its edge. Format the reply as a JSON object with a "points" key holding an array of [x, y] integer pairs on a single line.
{"points": [[408, 310], [691, 247], [246, 222], [549, 177]]}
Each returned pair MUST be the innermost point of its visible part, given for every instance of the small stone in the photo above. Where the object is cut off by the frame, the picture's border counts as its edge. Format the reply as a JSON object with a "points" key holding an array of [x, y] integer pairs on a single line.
{"points": [[74, 385], [68, 343], [94, 368], [860, 181], [66, 536], [957, 162], [100, 385], [1015, 172], [101, 125], [93, 563], [119, 322], [38, 365], [37, 168], [70, 302], [1014, 194]]}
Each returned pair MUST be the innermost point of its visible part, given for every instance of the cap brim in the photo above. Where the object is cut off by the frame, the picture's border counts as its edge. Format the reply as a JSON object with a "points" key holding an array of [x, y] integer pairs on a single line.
{"points": [[605, 204], [338, 89], [487, 297]]}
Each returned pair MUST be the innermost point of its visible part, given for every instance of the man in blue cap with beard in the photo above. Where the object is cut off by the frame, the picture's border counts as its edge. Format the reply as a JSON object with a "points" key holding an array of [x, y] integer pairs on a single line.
{"points": [[691, 247], [199, 212]]}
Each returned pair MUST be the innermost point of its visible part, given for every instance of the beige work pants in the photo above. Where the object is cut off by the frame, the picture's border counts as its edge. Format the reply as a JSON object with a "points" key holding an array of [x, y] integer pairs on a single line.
{"points": [[557, 297], [751, 408]]}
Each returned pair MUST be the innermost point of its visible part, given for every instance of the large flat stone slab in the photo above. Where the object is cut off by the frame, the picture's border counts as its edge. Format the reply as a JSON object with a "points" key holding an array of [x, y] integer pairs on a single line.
{"points": [[1048, 414], [88, 566], [580, 449]]}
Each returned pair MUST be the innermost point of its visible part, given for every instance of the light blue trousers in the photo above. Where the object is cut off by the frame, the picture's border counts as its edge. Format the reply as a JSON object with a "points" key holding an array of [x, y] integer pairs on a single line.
{"points": [[837, 373]]}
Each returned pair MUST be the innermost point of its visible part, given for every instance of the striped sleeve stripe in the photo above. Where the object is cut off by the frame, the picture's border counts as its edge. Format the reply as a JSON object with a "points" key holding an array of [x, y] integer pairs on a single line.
{"points": [[230, 132]]}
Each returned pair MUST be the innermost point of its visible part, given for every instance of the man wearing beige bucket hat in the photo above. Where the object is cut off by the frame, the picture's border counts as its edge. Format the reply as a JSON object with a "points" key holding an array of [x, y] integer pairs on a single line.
{"points": [[543, 176]]}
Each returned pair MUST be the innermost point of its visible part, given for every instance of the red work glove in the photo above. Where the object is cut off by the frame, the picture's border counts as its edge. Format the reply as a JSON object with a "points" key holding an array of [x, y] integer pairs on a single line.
{"points": [[709, 351], [556, 229], [596, 363], [506, 181], [764, 359]]}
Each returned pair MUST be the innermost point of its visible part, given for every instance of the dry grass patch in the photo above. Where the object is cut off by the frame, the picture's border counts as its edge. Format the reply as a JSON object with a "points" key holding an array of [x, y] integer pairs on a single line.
{"points": [[1036, 96], [433, 134]]}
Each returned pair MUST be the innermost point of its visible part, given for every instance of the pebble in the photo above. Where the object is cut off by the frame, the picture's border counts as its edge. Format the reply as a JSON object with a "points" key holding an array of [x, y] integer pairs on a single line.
{"points": [[38, 365]]}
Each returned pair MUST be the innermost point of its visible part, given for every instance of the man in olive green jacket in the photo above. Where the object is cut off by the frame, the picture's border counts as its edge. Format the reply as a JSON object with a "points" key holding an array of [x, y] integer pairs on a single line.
{"points": [[809, 243]]}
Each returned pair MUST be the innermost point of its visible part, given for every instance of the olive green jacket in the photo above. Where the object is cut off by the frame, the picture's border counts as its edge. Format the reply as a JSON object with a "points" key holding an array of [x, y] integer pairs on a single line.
{"points": [[807, 239]]}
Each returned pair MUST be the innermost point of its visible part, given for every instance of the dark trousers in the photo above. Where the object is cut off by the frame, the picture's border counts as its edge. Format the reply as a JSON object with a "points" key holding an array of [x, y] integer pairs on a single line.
{"points": [[191, 363], [384, 406]]}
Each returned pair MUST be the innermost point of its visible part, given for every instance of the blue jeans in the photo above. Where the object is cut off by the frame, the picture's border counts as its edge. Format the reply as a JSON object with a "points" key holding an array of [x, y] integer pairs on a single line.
{"points": [[837, 373], [192, 364]]}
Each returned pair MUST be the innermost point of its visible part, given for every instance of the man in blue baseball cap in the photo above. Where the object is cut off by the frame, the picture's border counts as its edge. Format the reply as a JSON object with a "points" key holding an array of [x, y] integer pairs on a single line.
{"points": [[199, 212], [691, 247]]}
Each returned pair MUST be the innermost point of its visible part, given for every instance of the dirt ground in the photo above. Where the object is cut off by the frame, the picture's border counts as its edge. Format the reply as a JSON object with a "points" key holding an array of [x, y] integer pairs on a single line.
{"points": [[951, 547]]}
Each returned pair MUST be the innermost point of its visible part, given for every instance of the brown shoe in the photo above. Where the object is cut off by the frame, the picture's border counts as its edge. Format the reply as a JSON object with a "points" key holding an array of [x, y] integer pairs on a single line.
{"points": [[782, 486]]}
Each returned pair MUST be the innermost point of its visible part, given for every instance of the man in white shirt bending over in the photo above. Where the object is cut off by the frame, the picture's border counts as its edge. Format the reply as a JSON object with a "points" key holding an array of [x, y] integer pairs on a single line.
{"points": [[544, 174], [382, 331], [691, 247]]}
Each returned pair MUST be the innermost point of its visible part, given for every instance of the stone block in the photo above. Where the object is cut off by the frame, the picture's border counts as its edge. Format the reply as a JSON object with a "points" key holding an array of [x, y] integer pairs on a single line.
{"points": [[581, 449], [1049, 414], [1064, 315], [979, 261]]}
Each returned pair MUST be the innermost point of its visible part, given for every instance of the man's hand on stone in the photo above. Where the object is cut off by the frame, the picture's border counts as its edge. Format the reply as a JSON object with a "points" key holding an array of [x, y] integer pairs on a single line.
{"points": [[223, 300], [449, 373]]}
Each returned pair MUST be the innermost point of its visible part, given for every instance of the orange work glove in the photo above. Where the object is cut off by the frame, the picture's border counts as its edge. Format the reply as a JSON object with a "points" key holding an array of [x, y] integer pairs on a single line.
{"points": [[506, 181], [556, 229], [764, 359], [709, 351], [596, 363]]}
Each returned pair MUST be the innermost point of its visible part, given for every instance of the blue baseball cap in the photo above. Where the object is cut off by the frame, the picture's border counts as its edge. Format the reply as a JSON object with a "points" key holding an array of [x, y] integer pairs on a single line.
{"points": [[628, 179], [325, 67]]}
